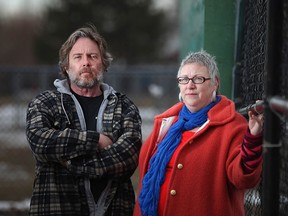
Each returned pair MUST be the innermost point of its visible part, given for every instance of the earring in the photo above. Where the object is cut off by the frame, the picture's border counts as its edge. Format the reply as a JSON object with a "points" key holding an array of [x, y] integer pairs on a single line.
{"points": [[214, 95], [180, 98]]}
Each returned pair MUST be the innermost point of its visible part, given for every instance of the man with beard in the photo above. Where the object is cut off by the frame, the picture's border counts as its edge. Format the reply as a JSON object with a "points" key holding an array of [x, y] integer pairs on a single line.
{"points": [[85, 137]]}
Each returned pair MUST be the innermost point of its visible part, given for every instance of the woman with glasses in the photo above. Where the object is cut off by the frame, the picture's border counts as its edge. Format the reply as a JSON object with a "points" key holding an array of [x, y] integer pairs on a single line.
{"points": [[201, 155]]}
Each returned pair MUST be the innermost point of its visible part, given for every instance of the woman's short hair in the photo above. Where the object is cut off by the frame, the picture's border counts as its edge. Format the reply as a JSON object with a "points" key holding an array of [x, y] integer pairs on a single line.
{"points": [[203, 58]]}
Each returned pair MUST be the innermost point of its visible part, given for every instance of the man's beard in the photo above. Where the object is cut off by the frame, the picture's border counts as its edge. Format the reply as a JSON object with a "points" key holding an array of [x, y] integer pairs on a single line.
{"points": [[86, 83]]}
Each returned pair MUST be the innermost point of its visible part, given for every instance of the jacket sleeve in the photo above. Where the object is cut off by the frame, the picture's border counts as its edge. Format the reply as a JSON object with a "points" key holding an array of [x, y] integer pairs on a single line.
{"points": [[234, 166], [48, 140], [251, 151], [121, 158]]}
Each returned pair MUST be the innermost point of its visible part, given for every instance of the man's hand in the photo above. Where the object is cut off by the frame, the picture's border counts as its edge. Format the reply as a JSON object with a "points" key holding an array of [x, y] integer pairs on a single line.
{"points": [[104, 141]]}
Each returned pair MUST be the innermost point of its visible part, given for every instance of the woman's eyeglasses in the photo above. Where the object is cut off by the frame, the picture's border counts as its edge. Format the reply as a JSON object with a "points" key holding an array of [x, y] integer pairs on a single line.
{"points": [[195, 80]]}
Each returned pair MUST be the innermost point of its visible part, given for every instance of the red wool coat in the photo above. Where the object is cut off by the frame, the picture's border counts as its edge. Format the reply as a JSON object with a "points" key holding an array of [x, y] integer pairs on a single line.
{"points": [[207, 178]]}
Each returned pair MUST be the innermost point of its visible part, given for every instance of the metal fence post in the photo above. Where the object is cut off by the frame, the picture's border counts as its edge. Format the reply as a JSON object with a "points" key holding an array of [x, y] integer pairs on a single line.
{"points": [[271, 147]]}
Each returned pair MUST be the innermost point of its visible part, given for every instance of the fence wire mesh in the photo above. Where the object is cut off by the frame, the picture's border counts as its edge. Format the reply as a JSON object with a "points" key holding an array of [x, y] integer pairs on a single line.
{"points": [[284, 124], [251, 77]]}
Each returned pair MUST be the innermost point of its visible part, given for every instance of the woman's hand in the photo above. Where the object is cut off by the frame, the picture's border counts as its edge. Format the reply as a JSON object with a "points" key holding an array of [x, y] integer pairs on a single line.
{"points": [[256, 122]]}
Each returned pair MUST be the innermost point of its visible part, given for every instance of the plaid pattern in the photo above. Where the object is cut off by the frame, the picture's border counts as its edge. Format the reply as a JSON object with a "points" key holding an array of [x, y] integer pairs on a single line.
{"points": [[55, 139]]}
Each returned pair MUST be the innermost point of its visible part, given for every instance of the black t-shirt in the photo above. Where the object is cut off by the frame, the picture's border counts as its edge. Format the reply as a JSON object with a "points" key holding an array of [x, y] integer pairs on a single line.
{"points": [[90, 107]]}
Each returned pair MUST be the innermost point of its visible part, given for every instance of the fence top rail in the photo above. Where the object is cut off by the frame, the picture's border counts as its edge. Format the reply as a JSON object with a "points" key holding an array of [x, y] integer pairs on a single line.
{"points": [[279, 105]]}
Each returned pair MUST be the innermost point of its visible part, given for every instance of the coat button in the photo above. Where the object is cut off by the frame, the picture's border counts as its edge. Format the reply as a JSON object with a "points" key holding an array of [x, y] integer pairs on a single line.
{"points": [[173, 192], [179, 166]]}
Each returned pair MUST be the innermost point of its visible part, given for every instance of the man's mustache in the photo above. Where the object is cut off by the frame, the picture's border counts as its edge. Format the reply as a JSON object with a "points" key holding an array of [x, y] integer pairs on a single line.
{"points": [[85, 70]]}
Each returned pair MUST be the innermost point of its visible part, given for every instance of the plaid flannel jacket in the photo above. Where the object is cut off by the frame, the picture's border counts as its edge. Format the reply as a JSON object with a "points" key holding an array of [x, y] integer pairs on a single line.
{"points": [[67, 155]]}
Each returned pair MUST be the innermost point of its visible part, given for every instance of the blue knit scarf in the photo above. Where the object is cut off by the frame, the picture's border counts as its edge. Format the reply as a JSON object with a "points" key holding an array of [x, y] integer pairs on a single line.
{"points": [[152, 181]]}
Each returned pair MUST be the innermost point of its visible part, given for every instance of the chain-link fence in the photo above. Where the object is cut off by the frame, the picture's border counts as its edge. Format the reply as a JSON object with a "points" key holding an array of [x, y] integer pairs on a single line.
{"points": [[250, 80]]}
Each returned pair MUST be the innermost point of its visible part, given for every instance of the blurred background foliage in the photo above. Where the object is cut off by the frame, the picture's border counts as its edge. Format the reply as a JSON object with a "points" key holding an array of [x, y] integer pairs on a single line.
{"points": [[136, 31]]}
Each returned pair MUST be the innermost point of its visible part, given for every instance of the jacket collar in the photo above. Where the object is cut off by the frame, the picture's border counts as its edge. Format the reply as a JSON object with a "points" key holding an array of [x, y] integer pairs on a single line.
{"points": [[222, 113]]}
